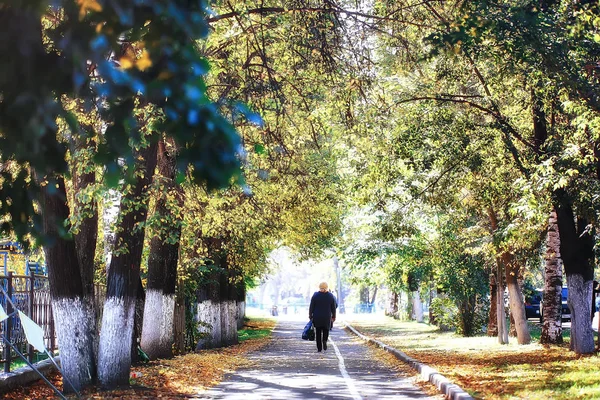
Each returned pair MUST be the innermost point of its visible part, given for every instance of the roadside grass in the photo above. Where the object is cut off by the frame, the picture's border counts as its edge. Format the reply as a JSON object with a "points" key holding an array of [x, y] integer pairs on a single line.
{"points": [[487, 369], [255, 328], [19, 362]]}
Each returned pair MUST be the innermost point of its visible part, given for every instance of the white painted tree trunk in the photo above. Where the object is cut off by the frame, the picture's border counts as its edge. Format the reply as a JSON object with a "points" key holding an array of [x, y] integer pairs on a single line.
{"points": [[75, 328], [167, 334], [579, 301], [228, 323], [157, 330], [209, 318], [151, 328], [114, 358], [417, 307]]}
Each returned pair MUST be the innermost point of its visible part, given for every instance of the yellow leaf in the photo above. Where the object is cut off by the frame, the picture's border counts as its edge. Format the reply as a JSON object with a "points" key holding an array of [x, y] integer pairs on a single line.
{"points": [[126, 62], [88, 5], [144, 62]]}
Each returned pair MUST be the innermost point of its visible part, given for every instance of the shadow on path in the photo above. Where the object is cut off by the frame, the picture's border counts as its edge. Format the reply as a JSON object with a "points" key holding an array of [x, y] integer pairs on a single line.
{"points": [[290, 368]]}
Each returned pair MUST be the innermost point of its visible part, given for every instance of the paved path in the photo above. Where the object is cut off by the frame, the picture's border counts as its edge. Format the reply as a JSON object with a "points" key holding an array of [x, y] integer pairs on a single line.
{"points": [[290, 368]]}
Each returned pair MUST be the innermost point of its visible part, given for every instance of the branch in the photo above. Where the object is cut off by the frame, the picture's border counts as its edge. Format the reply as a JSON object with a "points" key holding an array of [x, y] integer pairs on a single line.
{"points": [[283, 10], [500, 119]]}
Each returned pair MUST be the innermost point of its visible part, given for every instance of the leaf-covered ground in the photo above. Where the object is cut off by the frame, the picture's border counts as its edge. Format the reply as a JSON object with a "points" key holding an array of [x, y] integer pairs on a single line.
{"points": [[178, 378], [486, 369]]}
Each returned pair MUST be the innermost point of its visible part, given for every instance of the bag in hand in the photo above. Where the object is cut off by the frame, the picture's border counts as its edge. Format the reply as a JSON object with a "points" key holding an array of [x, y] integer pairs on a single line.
{"points": [[309, 332]]}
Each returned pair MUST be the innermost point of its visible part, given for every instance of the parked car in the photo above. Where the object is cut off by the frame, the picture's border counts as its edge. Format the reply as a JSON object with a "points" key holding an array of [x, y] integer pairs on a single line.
{"points": [[564, 308], [532, 304]]}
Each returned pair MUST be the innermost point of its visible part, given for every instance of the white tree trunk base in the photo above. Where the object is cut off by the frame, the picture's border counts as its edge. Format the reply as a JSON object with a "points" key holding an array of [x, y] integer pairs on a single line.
{"points": [[114, 358], [151, 328], [167, 333], [209, 318], [580, 303], [75, 326]]}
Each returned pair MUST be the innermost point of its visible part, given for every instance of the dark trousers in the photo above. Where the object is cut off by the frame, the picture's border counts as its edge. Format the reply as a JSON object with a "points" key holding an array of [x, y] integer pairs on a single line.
{"points": [[322, 334]]}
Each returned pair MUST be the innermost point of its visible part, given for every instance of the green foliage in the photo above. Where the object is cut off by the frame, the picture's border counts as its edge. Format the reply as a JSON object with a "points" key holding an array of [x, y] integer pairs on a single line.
{"points": [[445, 312], [111, 58], [245, 334]]}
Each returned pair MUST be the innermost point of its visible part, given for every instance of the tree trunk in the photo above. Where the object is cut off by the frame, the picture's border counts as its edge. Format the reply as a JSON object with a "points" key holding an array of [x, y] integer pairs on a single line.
{"points": [[84, 178], [553, 281], [432, 295], [241, 305], [157, 332], [364, 295], [500, 310], [576, 250], [466, 309], [209, 299], [228, 297], [372, 300], [73, 313], [515, 297], [417, 306], [392, 308], [209, 315], [114, 359], [492, 328]]}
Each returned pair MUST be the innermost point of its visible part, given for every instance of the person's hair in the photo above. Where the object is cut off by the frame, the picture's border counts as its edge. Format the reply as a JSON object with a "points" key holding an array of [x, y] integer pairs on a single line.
{"points": [[323, 286]]}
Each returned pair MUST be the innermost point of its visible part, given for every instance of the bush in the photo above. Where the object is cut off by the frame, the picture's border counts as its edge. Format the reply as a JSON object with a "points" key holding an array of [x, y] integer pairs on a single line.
{"points": [[445, 313]]}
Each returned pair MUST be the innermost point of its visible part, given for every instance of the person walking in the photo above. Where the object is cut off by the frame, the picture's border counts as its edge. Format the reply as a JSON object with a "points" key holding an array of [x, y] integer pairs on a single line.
{"points": [[322, 313]]}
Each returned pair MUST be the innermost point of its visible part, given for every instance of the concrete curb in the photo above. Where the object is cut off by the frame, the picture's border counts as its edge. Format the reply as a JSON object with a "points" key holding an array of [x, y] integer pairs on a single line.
{"points": [[447, 388], [25, 375]]}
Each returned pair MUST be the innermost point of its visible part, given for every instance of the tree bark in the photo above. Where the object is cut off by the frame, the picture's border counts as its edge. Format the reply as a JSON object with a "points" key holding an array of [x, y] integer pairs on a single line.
{"points": [[373, 298], [73, 314], [553, 281], [515, 297], [492, 328], [157, 332], [500, 310], [228, 297], [114, 359], [209, 298], [84, 177], [576, 250], [392, 308]]}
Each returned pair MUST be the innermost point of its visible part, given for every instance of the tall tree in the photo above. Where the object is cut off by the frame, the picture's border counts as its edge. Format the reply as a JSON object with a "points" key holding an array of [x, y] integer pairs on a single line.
{"points": [[106, 54], [73, 312], [157, 332], [114, 358], [553, 282]]}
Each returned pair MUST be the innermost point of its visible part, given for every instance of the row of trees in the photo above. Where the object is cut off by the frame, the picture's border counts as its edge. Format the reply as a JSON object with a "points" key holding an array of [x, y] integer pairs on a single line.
{"points": [[454, 135], [475, 146], [104, 100]]}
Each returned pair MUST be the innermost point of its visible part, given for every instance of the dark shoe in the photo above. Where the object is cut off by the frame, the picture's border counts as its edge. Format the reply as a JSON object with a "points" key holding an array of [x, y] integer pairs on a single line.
{"points": [[318, 351], [324, 346]]}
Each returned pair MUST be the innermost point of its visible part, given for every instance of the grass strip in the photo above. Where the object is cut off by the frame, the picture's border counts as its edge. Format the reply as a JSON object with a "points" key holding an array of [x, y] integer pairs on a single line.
{"points": [[487, 369]]}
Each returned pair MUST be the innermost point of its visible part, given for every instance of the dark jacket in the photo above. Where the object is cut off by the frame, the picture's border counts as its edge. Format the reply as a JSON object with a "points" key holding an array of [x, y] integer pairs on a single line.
{"points": [[322, 309]]}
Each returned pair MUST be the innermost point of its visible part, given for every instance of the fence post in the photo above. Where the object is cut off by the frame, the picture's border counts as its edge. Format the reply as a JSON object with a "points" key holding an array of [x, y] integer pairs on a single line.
{"points": [[52, 339], [31, 293], [7, 322]]}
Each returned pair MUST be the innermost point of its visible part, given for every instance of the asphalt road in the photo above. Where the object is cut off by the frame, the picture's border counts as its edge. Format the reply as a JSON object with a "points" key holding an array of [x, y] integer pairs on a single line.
{"points": [[291, 368]]}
